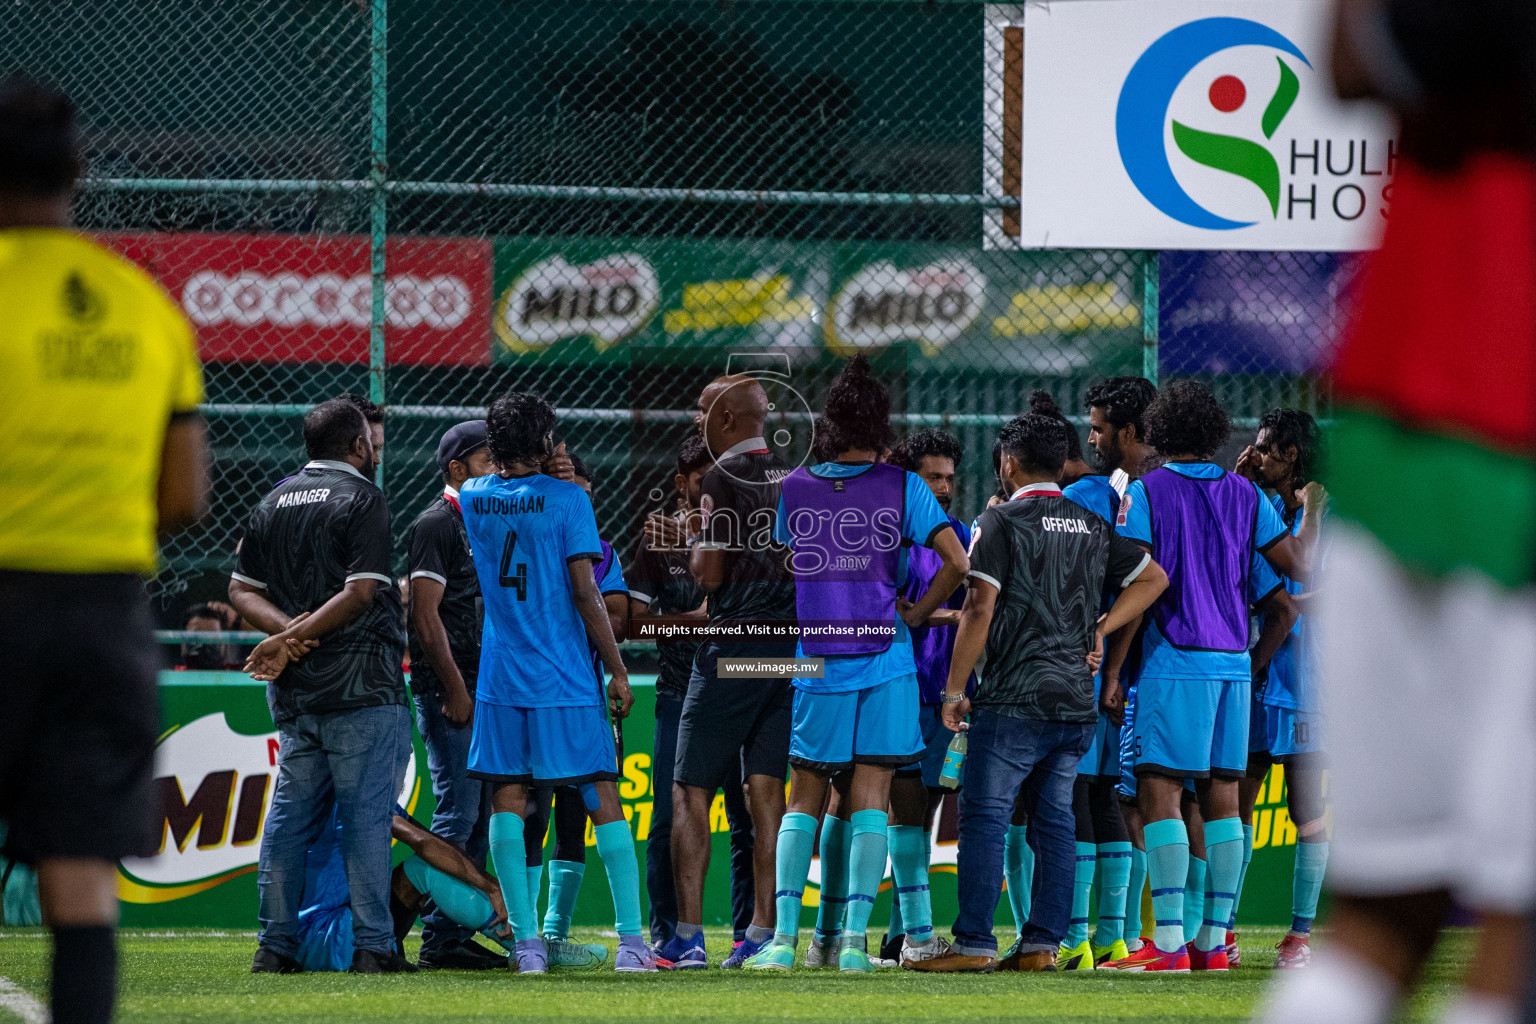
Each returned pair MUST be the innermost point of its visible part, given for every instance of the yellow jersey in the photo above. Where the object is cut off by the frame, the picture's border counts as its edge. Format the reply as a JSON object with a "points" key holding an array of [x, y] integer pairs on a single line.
{"points": [[95, 360]]}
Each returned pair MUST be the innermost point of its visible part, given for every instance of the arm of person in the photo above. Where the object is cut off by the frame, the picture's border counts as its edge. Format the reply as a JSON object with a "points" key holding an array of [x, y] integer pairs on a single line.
{"points": [[1272, 538], [710, 557], [1314, 505], [1280, 614], [426, 597], [617, 606], [594, 616], [182, 494], [1112, 692], [945, 582], [450, 860], [970, 642]]}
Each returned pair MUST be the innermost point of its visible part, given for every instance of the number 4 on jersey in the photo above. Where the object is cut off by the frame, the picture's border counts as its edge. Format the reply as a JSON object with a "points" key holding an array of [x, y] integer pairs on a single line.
{"points": [[518, 582]]}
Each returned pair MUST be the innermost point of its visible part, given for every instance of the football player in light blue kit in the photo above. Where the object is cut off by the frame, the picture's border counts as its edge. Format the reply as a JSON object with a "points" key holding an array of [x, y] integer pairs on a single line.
{"points": [[847, 522], [1203, 525], [539, 717], [1287, 726]]}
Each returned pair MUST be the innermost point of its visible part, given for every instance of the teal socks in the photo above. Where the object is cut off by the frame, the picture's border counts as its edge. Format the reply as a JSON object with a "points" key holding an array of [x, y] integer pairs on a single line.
{"points": [[461, 901], [1168, 870], [909, 870], [1133, 891], [1224, 869], [535, 883], [797, 837], [1242, 878], [511, 862], [564, 886], [1019, 873], [1194, 898], [1114, 882], [1082, 890], [866, 866], [835, 837], [1306, 884], [617, 849]]}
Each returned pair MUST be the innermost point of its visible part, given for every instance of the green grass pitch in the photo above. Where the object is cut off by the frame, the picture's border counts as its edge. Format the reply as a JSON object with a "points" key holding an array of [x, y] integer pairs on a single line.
{"points": [[203, 976]]}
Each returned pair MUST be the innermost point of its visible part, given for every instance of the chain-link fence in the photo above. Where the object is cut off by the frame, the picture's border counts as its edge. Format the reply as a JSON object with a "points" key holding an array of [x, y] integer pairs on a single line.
{"points": [[433, 202]]}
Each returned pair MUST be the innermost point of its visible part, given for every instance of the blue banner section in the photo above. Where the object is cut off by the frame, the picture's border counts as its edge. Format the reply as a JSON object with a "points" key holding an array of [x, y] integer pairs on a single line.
{"points": [[1251, 312]]}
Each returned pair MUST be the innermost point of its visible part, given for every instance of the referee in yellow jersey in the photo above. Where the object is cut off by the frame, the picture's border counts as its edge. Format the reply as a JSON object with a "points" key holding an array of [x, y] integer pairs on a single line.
{"points": [[100, 447]]}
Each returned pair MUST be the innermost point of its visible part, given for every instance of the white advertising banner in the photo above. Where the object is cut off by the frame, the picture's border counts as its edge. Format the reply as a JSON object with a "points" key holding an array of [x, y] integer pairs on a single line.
{"points": [[1179, 124]]}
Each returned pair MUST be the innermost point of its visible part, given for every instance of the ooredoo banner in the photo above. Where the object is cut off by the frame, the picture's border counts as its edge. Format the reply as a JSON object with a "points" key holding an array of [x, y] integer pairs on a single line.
{"points": [[1179, 124], [307, 298]]}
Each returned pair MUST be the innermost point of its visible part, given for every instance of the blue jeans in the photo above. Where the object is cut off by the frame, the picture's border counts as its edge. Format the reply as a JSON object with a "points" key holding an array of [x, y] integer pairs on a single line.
{"points": [[463, 814], [658, 848], [355, 760], [1004, 754]]}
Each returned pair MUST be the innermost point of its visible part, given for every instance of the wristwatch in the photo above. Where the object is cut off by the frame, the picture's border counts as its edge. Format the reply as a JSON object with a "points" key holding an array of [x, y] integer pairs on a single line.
{"points": [[947, 699]]}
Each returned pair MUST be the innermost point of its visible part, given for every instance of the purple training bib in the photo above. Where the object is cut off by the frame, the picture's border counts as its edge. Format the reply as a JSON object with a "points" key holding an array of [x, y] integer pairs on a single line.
{"points": [[847, 545]]}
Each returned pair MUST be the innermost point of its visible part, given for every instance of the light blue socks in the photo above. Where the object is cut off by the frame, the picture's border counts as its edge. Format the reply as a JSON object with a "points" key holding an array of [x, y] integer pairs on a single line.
{"points": [[1306, 884], [1168, 870], [1082, 891], [1114, 883], [511, 862], [1224, 869], [1133, 891], [1019, 873], [835, 837], [866, 866], [797, 837], [1242, 878], [1194, 898], [535, 884], [565, 878], [909, 870], [617, 849]]}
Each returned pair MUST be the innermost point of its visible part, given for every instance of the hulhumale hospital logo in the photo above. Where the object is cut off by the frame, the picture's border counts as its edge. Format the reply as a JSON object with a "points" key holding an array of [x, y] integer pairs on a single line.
{"points": [[1142, 117]]}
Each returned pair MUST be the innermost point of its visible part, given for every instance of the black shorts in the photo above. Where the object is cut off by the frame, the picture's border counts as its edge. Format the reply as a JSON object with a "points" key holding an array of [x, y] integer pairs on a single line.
{"points": [[79, 717], [728, 723]]}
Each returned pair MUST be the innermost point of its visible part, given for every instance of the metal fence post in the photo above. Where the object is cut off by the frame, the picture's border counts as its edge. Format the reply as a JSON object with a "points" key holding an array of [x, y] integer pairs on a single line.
{"points": [[378, 174], [1149, 317]]}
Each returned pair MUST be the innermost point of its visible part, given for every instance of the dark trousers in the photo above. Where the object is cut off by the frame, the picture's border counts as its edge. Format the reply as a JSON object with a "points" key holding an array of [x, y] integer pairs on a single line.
{"points": [[1004, 754], [658, 849], [463, 813]]}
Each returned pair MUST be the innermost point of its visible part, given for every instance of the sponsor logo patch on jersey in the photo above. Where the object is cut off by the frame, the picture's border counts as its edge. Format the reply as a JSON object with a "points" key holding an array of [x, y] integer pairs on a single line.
{"points": [[706, 506], [1125, 508]]}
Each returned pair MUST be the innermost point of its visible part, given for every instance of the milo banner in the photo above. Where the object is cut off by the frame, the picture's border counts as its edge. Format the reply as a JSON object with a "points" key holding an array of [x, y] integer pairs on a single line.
{"points": [[216, 770], [594, 300]]}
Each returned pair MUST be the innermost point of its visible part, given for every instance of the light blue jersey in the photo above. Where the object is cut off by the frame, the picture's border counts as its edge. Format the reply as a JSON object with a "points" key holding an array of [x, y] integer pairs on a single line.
{"points": [[1094, 493], [1291, 681], [523, 531], [922, 520], [1160, 659]]}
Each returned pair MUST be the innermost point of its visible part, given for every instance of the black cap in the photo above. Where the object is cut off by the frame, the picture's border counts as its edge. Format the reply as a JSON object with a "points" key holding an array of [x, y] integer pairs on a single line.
{"points": [[460, 441]]}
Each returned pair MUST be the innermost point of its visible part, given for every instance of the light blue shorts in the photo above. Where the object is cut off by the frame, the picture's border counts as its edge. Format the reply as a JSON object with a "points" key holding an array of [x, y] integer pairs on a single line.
{"points": [[1103, 757], [1192, 728], [936, 740], [1292, 733], [548, 746], [878, 725], [325, 938], [1127, 784]]}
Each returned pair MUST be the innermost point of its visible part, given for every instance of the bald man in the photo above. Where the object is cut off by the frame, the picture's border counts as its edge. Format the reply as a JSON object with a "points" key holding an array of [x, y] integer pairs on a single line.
{"points": [[730, 719]]}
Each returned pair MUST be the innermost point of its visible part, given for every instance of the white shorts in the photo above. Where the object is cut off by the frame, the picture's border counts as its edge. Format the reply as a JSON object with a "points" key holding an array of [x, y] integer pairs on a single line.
{"points": [[1430, 693]]}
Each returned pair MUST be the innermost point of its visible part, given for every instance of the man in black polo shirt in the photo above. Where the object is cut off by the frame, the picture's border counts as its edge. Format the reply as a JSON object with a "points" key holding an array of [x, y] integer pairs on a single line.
{"points": [[314, 573], [660, 584], [1039, 564], [444, 627], [729, 721]]}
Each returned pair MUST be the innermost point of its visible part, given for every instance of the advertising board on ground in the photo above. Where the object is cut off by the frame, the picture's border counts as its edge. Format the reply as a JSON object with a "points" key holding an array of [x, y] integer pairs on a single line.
{"points": [[216, 769]]}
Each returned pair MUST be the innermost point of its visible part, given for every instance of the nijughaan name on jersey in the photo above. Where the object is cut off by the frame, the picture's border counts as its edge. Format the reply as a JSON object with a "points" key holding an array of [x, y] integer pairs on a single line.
{"points": [[309, 497], [508, 506], [1051, 524]]}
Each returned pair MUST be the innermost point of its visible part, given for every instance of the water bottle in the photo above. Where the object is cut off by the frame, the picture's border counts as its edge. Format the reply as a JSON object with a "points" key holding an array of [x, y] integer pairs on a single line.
{"points": [[954, 760]]}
